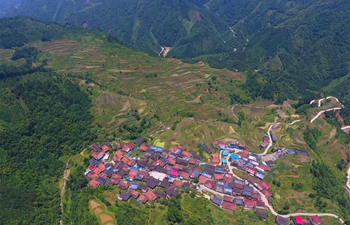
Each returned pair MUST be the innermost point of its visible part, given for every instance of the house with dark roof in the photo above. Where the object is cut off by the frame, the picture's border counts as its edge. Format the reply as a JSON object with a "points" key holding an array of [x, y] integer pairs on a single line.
{"points": [[139, 141], [216, 200], [261, 213], [315, 220], [281, 220], [238, 201], [247, 191], [152, 183], [236, 191], [95, 147], [124, 196], [301, 152], [306, 222], [186, 185], [229, 206], [172, 191], [218, 187], [207, 149], [142, 187], [260, 175], [230, 184], [160, 194], [164, 183]]}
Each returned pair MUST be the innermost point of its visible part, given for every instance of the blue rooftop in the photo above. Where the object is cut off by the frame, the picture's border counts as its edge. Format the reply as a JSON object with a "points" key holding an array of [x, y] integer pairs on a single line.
{"points": [[225, 153], [234, 156]]}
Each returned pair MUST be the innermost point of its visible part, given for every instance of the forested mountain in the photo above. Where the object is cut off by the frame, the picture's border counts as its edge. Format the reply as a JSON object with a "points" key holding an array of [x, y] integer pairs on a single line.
{"points": [[300, 44], [150, 24], [297, 45], [42, 117]]}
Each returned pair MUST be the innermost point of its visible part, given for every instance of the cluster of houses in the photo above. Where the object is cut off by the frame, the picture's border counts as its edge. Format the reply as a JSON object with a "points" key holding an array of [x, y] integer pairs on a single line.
{"points": [[251, 164], [231, 203], [147, 173]]}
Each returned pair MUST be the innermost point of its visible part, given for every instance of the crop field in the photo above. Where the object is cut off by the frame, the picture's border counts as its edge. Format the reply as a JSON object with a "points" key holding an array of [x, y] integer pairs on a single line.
{"points": [[100, 211], [5, 54], [121, 81]]}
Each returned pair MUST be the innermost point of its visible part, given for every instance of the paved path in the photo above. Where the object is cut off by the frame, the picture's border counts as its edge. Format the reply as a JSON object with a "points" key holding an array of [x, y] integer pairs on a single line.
{"points": [[295, 121], [346, 127], [319, 113], [234, 113], [270, 144], [161, 52], [266, 201]]}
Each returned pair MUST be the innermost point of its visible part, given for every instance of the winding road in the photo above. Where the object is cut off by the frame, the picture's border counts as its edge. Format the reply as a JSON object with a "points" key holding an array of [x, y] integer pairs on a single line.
{"points": [[266, 201], [319, 113], [270, 144]]}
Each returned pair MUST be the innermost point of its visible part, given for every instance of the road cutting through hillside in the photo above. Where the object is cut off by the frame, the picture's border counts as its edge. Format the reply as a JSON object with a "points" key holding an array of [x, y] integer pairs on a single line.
{"points": [[266, 201], [270, 143]]}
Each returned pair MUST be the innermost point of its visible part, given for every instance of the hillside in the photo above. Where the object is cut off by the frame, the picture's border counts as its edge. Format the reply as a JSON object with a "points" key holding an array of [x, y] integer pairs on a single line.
{"points": [[302, 44], [299, 46], [149, 24], [64, 91]]}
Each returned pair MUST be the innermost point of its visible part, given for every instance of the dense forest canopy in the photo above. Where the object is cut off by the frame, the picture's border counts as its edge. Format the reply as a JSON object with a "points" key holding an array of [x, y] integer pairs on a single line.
{"points": [[42, 118]]}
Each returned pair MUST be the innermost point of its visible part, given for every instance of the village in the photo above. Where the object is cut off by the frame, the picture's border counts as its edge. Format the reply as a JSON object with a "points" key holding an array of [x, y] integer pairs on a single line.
{"points": [[147, 173]]}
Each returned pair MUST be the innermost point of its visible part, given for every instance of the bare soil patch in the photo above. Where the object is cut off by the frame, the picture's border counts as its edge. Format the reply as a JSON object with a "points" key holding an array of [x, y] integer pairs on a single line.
{"points": [[93, 204], [106, 99], [166, 51], [126, 106], [105, 217], [295, 116], [97, 211]]}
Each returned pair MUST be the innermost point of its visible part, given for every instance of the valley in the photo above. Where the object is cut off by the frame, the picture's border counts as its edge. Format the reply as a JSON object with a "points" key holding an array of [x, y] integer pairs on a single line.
{"points": [[127, 94]]}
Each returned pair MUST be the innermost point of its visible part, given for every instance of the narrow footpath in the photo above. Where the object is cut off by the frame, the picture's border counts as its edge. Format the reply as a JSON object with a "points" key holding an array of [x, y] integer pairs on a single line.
{"points": [[63, 189]]}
